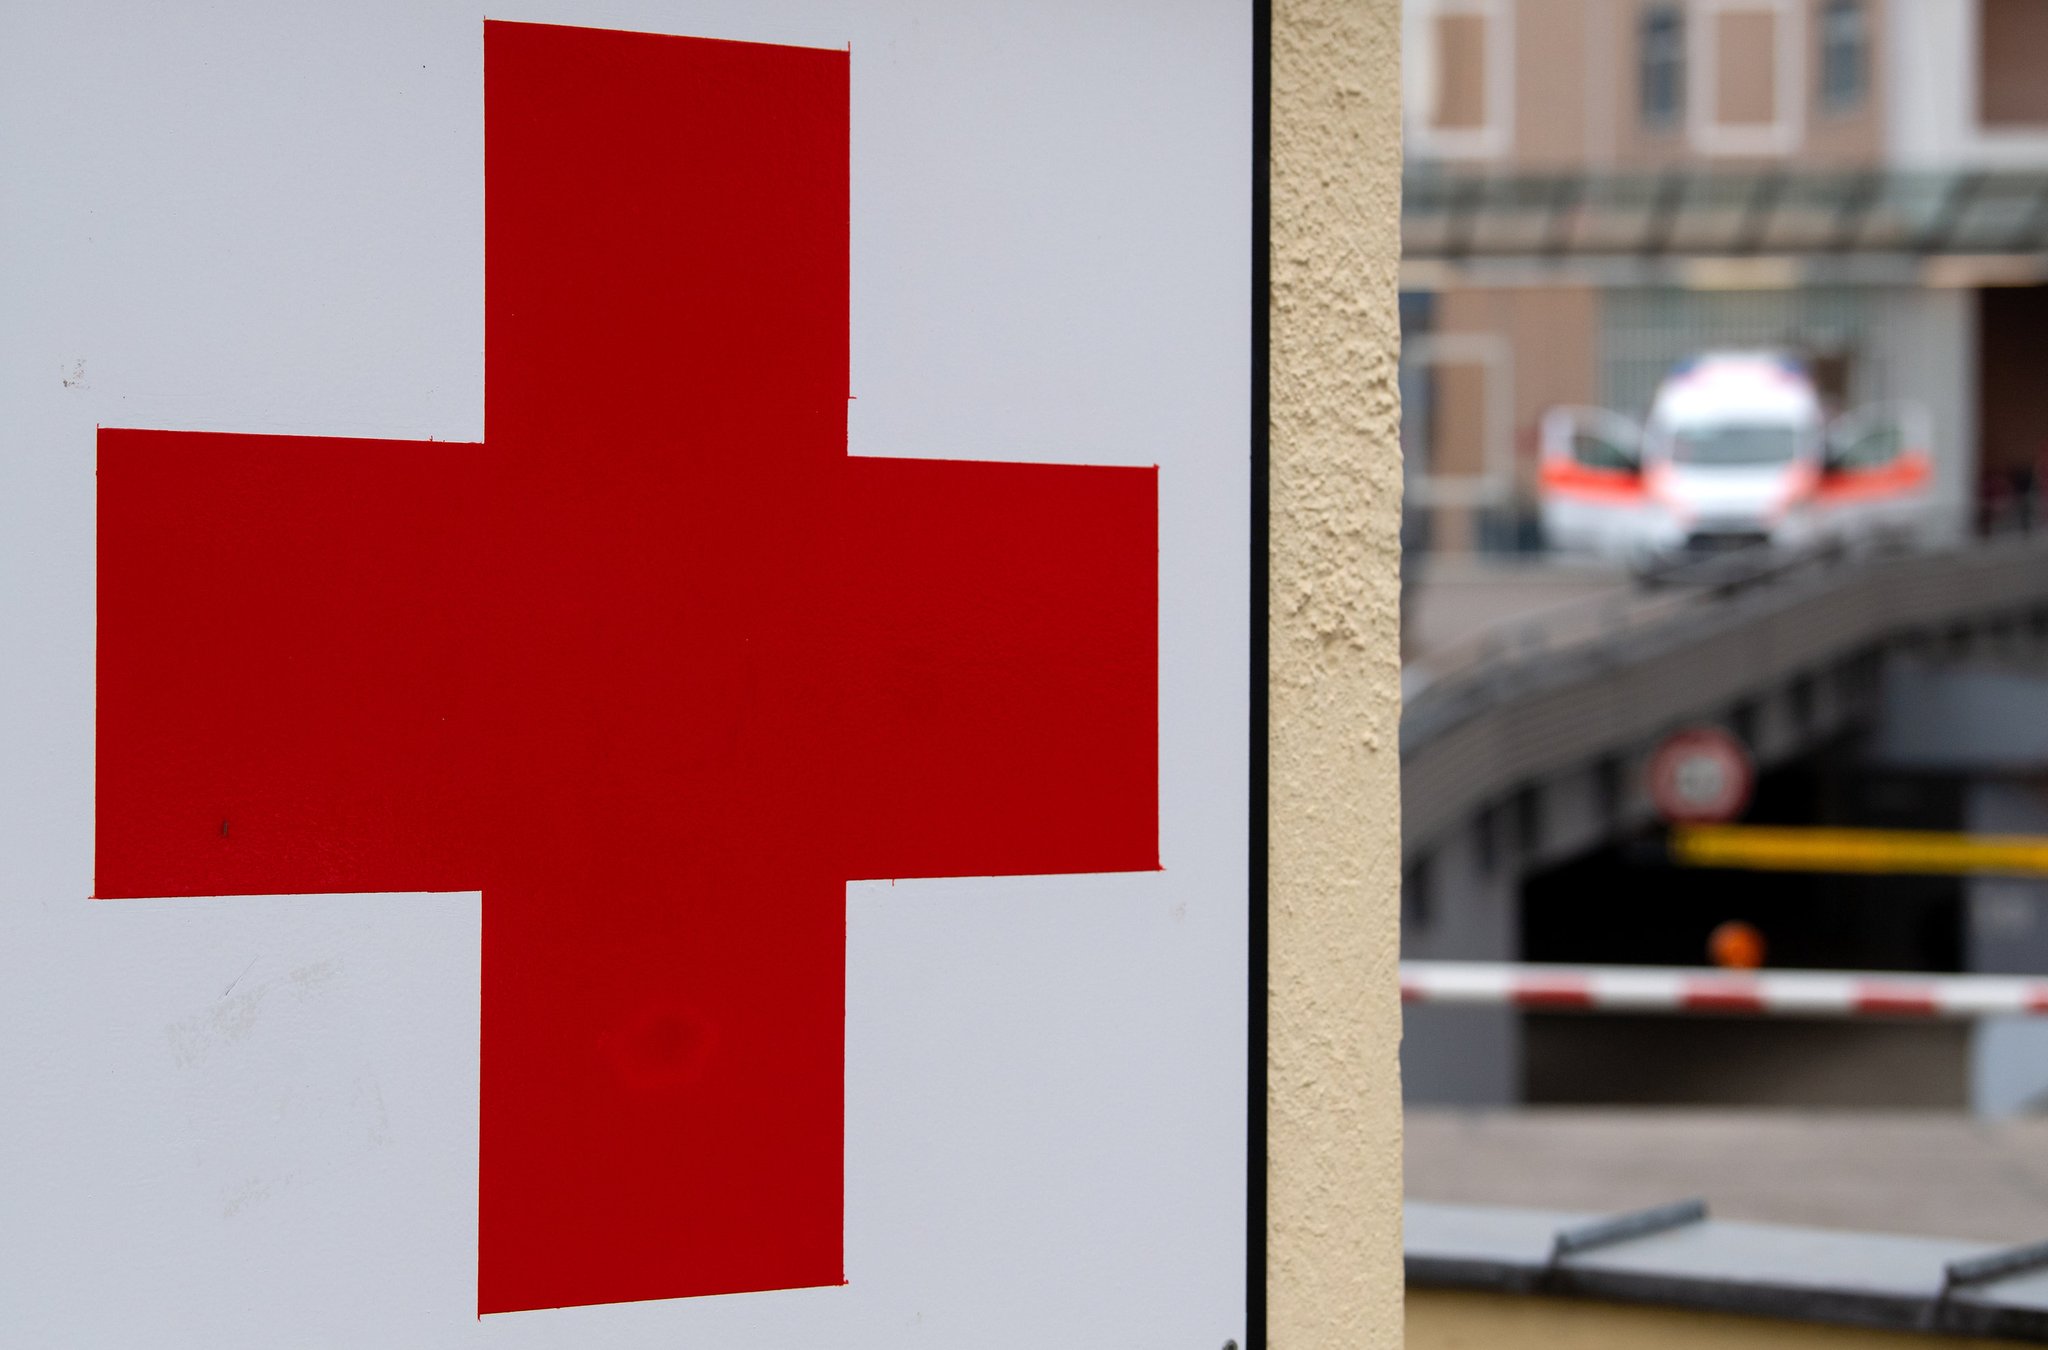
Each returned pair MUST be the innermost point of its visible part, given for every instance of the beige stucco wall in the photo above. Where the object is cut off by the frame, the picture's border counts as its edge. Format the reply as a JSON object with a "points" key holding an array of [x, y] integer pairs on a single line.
{"points": [[1334, 1103]]}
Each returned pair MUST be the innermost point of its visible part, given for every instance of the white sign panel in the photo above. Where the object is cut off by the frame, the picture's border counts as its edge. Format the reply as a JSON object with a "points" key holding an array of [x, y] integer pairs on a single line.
{"points": [[627, 709]]}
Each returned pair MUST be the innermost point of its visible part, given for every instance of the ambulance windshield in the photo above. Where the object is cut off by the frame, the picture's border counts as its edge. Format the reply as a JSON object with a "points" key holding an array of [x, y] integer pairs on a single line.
{"points": [[1715, 444]]}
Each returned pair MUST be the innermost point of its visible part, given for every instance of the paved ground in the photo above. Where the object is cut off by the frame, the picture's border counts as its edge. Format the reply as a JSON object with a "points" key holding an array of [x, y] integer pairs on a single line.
{"points": [[1464, 610], [1455, 598], [1927, 1174]]}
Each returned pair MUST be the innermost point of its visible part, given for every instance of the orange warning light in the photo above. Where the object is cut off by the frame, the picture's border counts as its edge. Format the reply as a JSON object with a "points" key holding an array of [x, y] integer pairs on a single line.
{"points": [[1735, 945]]}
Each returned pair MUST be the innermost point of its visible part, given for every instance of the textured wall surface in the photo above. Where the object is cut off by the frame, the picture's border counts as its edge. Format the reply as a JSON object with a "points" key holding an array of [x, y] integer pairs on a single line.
{"points": [[1334, 1103]]}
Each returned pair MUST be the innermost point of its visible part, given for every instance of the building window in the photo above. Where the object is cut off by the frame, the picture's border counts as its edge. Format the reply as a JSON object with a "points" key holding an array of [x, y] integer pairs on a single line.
{"points": [[1460, 73], [2012, 38], [1747, 68], [1459, 90], [1844, 55], [1663, 65]]}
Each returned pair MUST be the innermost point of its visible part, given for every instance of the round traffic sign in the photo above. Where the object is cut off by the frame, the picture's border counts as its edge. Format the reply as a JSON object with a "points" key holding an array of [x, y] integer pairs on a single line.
{"points": [[1699, 775]]}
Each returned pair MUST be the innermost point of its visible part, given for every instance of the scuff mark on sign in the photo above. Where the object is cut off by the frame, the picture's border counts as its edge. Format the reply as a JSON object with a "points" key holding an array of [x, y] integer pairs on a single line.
{"points": [[232, 1016]]}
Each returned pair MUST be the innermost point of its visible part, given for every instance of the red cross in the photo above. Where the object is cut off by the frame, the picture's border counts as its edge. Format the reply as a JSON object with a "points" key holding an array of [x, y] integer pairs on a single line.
{"points": [[657, 667]]}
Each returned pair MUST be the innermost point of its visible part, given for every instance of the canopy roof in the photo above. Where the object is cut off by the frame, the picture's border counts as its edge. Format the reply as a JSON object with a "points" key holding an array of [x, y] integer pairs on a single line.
{"points": [[1454, 216]]}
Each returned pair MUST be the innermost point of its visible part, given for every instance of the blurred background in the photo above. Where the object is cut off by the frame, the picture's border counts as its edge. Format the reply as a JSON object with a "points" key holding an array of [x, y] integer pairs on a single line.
{"points": [[1725, 650]]}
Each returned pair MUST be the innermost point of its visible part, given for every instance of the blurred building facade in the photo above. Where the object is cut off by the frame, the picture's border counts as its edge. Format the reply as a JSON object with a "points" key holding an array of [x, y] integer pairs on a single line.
{"points": [[1597, 189]]}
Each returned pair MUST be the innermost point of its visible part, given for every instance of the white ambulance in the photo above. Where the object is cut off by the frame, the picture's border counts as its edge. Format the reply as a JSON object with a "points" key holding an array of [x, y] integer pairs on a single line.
{"points": [[1738, 451]]}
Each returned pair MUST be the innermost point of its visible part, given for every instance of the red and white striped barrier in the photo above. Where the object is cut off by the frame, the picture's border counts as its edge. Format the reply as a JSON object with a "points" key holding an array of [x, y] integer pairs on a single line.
{"points": [[1679, 989]]}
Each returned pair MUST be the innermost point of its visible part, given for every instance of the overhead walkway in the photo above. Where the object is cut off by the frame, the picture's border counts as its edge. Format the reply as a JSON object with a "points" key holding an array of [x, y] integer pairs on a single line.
{"points": [[1785, 657], [1524, 744]]}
